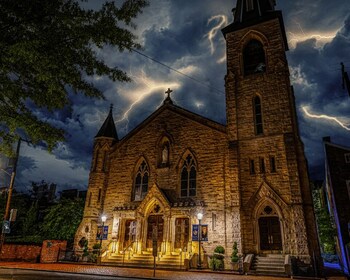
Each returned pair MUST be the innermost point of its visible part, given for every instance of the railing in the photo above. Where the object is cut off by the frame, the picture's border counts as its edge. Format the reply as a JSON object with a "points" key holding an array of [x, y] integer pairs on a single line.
{"points": [[78, 255], [129, 249]]}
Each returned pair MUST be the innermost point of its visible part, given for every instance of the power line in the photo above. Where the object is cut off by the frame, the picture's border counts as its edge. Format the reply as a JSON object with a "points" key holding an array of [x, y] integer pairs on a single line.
{"points": [[179, 72]]}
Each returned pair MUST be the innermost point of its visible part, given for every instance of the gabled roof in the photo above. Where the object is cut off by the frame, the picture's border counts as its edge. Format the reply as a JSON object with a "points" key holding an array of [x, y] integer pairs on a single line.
{"points": [[180, 111], [108, 127]]}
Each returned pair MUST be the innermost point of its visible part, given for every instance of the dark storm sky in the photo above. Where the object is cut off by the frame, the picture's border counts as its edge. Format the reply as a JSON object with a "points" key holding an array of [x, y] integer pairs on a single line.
{"points": [[186, 36]]}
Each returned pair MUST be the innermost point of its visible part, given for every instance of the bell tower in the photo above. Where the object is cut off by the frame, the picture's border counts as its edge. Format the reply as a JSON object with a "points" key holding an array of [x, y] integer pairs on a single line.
{"points": [[269, 170]]}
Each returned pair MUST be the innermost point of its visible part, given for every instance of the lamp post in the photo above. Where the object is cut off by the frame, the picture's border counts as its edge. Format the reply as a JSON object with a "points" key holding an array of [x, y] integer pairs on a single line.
{"points": [[103, 219], [199, 217]]}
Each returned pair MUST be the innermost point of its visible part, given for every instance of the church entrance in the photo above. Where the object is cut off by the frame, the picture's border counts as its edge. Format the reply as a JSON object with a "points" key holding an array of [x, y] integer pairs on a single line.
{"points": [[130, 233], [270, 234], [181, 233], [158, 222]]}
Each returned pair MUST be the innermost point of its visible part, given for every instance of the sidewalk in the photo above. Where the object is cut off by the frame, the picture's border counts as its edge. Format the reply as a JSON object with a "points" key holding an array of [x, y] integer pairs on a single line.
{"points": [[140, 273]]}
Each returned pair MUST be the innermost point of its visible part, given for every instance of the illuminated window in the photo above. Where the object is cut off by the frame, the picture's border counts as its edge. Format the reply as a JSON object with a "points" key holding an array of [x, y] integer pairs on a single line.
{"points": [[258, 116], [254, 58], [141, 182], [188, 177]]}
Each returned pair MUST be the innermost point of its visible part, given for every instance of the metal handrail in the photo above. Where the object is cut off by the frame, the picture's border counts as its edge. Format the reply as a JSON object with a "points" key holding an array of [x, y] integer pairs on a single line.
{"points": [[126, 248]]}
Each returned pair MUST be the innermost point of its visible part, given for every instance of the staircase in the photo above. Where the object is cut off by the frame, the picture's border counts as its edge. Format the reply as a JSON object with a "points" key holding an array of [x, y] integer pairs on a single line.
{"points": [[145, 260], [268, 265]]}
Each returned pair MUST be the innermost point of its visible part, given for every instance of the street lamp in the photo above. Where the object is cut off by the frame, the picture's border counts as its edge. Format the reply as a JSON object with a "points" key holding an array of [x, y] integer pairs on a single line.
{"points": [[199, 217], [103, 219]]}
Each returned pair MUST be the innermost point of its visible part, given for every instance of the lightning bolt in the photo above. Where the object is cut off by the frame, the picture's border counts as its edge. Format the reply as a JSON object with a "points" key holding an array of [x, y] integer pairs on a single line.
{"points": [[146, 87], [321, 38], [222, 21], [334, 119]]}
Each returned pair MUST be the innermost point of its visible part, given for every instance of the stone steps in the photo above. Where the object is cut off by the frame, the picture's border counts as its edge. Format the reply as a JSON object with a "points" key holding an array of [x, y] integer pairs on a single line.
{"points": [[146, 261], [268, 265]]}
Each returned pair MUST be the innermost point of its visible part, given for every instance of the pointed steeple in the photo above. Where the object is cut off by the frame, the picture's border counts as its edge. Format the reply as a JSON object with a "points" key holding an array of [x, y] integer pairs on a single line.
{"points": [[248, 10], [252, 12], [108, 127]]}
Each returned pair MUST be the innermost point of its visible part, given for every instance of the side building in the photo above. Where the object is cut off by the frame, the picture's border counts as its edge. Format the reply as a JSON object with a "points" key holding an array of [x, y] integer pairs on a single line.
{"points": [[337, 164]]}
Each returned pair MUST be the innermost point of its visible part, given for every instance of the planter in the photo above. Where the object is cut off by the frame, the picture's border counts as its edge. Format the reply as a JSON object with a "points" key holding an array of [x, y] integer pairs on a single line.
{"points": [[235, 266]]}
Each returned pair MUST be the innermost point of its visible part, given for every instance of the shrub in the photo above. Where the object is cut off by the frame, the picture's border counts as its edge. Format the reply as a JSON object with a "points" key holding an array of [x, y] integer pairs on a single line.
{"points": [[234, 256], [219, 250]]}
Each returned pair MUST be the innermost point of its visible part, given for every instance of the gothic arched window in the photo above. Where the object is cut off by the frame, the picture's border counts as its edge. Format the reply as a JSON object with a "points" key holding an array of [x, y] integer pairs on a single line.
{"points": [[188, 177], [141, 182], [254, 58], [258, 121]]}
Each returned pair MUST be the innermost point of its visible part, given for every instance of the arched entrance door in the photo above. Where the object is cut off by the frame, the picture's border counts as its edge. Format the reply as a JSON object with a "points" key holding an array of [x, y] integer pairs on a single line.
{"points": [[158, 222], [270, 234], [270, 231]]}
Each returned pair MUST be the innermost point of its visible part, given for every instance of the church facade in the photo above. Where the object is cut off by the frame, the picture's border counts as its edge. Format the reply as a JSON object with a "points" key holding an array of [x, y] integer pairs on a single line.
{"points": [[248, 178]]}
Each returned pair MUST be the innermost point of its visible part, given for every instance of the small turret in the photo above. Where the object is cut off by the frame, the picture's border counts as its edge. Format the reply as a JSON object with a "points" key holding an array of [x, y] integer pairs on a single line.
{"points": [[108, 129]]}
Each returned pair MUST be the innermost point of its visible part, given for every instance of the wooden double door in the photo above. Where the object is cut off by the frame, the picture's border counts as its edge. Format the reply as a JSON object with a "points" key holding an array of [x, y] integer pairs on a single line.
{"points": [[154, 221], [270, 234]]}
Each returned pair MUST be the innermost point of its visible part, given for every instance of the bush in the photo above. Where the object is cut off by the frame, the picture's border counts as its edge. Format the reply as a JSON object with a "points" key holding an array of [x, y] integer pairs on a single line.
{"points": [[219, 250], [217, 260], [216, 264], [234, 256]]}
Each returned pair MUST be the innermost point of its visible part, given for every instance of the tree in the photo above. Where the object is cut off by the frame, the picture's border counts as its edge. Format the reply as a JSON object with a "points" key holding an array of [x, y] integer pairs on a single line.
{"points": [[47, 49], [326, 230], [62, 220]]}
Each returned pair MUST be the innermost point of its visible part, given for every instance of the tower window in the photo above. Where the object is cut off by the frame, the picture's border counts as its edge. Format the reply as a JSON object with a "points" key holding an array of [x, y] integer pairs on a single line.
{"points": [[99, 195], [254, 58], [347, 157], [258, 116], [188, 177], [262, 165], [104, 161], [141, 182], [272, 164], [249, 5], [251, 166]]}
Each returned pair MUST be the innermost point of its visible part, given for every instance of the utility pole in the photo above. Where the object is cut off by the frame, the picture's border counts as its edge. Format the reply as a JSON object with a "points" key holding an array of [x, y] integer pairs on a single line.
{"points": [[9, 195], [345, 78]]}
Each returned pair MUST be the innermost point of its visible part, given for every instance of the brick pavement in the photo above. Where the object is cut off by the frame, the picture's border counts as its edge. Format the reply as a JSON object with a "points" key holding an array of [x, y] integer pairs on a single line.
{"points": [[140, 273]]}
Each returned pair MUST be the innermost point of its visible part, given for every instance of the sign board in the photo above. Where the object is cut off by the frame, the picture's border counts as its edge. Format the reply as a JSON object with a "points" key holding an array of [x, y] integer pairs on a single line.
{"points": [[102, 233], [13, 215], [204, 232], [6, 227]]}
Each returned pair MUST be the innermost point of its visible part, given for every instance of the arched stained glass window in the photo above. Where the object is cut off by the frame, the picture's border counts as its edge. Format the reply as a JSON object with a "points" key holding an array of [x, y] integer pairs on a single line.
{"points": [[254, 58], [141, 182], [188, 177]]}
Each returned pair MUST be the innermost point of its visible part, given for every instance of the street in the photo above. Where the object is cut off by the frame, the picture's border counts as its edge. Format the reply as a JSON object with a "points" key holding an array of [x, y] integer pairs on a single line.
{"points": [[24, 274]]}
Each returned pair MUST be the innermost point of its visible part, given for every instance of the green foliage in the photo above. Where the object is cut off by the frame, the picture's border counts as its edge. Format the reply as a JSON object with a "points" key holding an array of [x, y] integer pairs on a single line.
{"points": [[326, 230], [30, 224], [219, 250], [62, 220], [216, 264], [48, 49], [234, 255], [217, 260]]}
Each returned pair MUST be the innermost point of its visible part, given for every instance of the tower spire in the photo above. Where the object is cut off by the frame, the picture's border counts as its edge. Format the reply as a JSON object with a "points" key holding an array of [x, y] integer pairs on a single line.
{"points": [[247, 10], [108, 127]]}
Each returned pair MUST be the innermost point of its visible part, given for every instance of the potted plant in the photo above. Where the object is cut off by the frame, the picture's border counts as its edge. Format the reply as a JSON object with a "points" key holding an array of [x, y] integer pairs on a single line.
{"points": [[234, 257], [217, 260]]}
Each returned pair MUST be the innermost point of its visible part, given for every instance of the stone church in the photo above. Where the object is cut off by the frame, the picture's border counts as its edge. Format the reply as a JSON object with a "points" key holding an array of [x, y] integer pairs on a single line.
{"points": [[248, 178]]}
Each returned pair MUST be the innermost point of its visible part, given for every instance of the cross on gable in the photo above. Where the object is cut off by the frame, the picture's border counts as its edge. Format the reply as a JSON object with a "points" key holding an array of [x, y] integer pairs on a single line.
{"points": [[168, 92]]}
